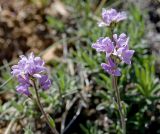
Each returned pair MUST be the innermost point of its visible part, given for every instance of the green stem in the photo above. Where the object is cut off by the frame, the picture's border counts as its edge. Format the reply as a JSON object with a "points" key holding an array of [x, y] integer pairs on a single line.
{"points": [[118, 99], [54, 131]]}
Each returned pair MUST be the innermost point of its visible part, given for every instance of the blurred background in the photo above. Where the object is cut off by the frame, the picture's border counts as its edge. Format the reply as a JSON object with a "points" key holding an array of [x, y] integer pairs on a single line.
{"points": [[81, 97]]}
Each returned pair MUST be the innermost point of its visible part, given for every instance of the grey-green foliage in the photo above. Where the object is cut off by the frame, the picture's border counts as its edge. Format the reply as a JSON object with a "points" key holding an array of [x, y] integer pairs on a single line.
{"points": [[28, 130], [63, 81], [147, 83], [7, 82], [134, 26], [90, 128], [55, 23], [86, 58], [104, 80]]}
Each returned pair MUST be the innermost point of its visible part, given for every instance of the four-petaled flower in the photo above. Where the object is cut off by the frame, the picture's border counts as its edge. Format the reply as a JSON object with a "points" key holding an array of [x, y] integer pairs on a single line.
{"points": [[122, 49], [104, 45], [125, 54], [111, 16], [111, 68], [120, 41], [28, 69]]}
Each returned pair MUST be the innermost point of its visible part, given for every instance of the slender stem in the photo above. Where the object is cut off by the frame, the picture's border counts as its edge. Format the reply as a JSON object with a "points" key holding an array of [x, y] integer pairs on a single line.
{"points": [[54, 131], [118, 99], [82, 97]]}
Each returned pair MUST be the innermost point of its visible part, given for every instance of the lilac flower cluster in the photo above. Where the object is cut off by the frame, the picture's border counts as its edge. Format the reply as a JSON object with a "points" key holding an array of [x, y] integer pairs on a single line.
{"points": [[111, 16], [28, 69], [116, 48]]}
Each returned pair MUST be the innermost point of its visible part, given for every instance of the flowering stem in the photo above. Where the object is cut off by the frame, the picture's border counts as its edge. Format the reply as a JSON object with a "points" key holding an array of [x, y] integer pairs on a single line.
{"points": [[54, 131], [118, 99]]}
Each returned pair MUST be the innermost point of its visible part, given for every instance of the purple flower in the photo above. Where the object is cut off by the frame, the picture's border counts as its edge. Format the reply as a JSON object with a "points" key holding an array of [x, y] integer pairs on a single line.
{"points": [[23, 89], [32, 66], [111, 16], [122, 49], [117, 48], [104, 45], [111, 68], [45, 82], [120, 41], [23, 79], [28, 69], [125, 54]]}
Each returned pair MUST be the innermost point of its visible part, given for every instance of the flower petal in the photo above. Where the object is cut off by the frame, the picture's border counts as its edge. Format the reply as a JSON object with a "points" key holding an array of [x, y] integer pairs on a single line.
{"points": [[23, 89]]}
